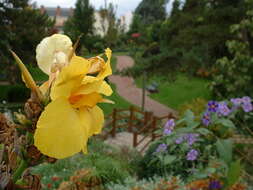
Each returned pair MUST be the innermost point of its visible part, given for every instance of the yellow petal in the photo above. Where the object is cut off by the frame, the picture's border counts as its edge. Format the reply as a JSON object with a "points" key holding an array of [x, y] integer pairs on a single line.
{"points": [[97, 64], [107, 101], [94, 118], [97, 86], [59, 132], [27, 77], [69, 78], [107, 70], [85, 100]]}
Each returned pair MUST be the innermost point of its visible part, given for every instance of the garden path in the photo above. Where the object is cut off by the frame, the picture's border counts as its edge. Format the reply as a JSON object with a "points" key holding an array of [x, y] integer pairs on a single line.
{"points": [[125, 139], [126, 88]]}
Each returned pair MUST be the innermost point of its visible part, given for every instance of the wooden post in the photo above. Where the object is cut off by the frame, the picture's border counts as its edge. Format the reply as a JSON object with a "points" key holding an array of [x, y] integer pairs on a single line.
{"points": [[114, 121], [135, 136], [154, 127], [147, 118], [131, 118], [170, 116], [144, 78]]}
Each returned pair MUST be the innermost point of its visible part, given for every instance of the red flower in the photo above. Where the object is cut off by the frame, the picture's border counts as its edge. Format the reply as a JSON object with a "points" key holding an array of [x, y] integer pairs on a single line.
{"points": [[135, 35]]}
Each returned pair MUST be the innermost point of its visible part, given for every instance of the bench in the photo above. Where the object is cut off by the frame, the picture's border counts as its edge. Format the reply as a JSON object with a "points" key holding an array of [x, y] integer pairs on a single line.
{"points": [[152, 88]]}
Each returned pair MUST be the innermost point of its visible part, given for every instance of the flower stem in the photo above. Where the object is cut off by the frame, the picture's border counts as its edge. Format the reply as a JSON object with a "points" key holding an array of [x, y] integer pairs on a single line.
{"points": [[18, 173]]}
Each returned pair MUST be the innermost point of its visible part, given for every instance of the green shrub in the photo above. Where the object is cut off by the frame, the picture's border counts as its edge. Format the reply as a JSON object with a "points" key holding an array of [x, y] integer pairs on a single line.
{"points": [[14, 93], [99, 160], [154, 183]]}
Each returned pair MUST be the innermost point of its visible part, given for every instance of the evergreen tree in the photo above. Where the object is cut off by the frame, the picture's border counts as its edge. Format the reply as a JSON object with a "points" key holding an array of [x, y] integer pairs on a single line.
{"points": [[81, 23], [21, 29], [151, 11]]}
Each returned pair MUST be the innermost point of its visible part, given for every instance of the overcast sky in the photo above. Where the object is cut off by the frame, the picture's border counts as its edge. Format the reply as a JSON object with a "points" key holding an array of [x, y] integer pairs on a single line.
{"points": [[123, 6]]}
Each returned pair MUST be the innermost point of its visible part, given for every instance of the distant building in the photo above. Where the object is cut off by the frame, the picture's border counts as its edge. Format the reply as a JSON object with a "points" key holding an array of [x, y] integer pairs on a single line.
{"points": [[126, 21], [60, 15]]}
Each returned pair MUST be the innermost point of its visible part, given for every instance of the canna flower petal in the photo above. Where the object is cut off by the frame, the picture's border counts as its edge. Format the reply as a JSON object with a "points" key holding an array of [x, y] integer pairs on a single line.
{"points": [[89, 100], [106, 70], [99, 86], [69, 79], [93, 118], [60, 138], [53, 50]]}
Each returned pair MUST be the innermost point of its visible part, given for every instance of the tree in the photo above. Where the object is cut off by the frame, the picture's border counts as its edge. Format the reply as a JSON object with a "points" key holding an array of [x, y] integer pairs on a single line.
{"points": [[81, 23], [151, 11], [22, 28], [234, 72]]}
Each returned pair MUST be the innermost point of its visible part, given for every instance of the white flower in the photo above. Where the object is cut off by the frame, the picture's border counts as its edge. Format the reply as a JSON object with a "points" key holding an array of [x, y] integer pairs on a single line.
{"points": [[53, 52]]}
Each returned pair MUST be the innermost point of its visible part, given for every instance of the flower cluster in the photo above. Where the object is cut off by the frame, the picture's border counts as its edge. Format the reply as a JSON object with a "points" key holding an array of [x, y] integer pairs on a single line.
{"points": [[161, 148], [169, 127], [226, 108], [190, 138], [192, 155]]}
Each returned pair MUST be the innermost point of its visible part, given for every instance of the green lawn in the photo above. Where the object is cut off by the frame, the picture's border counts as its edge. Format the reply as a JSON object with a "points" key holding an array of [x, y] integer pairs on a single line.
{"points": [[182, 90]]}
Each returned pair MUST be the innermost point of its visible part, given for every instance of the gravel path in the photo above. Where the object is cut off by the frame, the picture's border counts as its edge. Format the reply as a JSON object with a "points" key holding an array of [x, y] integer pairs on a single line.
{"points": [[126, 88]]}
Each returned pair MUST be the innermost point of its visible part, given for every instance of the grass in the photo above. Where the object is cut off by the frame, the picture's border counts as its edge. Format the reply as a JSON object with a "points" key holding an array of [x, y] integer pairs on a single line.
{"points": [[181, 91]]}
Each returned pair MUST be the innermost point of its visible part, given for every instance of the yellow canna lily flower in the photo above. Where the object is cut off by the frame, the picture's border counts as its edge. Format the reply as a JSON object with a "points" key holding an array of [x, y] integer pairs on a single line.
{"points": [[73, 115]]}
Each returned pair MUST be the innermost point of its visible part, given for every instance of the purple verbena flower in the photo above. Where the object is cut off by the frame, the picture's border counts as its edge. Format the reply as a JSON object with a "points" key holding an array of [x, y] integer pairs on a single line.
{"points": [[179, 140], [236, 101], [192, 155], [161, 148], [169, 126], [170, 123], [167, 131], [191, 138], [246, 100], [215, 185], [212, 106], [248, 107], [206, 119], [223, 109]]}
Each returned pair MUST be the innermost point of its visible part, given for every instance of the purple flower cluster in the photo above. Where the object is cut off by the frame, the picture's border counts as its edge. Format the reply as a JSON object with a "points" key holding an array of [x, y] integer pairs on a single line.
{"points": [[169, 127], [222, 108], [244, 102], [192, 155], [190, 138], [161, 148]]}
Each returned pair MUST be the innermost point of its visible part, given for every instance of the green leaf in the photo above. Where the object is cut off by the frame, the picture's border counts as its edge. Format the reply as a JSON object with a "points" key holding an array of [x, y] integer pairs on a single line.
{"points": [[168, 159], [210, 170], [189, 116], [226, 122], [184, 130], [203, 131], [224, 148], [234, 172]]}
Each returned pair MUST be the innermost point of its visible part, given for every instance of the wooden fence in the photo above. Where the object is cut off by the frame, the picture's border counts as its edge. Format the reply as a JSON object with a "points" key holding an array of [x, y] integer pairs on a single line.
{"points": [[143, 125]]}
